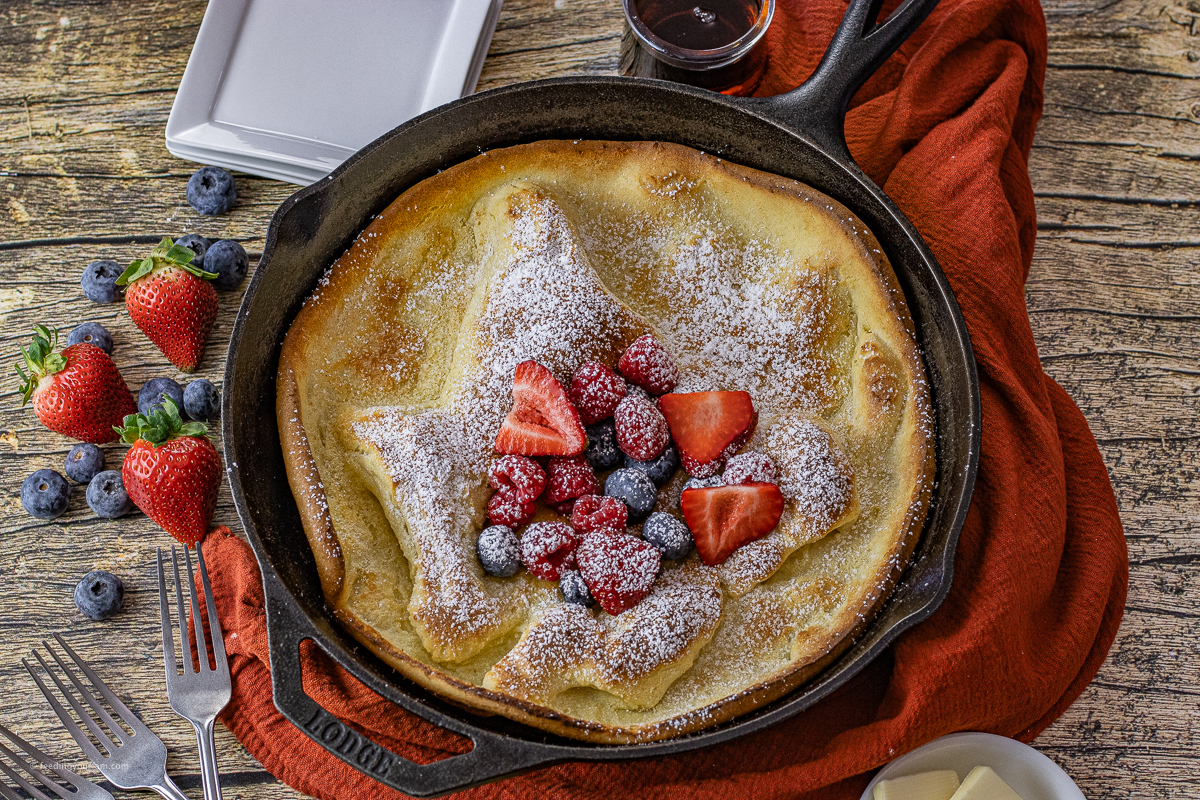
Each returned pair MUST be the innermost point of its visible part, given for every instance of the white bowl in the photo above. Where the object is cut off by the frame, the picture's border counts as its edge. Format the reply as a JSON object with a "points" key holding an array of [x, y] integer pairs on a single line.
{"points": [[1030, 774]]}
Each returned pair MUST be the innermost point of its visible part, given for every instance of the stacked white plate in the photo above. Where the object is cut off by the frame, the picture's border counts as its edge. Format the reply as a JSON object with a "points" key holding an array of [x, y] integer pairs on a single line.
{"points": [[289, 89]]}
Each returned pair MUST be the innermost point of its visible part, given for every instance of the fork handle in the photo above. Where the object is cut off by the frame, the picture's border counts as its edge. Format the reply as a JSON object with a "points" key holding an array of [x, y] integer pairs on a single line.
{"points": [[168, 789], [208, 760]]}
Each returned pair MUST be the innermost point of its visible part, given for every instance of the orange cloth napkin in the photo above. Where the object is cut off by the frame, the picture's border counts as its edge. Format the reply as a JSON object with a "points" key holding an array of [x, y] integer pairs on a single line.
{"points": [[1041, 568]]}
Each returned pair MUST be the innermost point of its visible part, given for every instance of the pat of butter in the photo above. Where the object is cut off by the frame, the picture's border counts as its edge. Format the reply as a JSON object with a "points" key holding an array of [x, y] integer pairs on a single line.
{"points": [[939, 785], [984, 784]]}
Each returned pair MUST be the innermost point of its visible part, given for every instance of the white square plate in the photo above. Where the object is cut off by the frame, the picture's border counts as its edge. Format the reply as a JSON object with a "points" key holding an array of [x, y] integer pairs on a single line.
{"points": [[289, 89]]}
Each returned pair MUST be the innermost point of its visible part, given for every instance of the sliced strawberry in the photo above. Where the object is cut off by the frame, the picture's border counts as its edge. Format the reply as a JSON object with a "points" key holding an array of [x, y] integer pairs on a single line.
{"points": [[705, 424], [724, 518], [547, 548], [517, 474], [642, 433], [570, 478], [619, 569], [542, 421], [648, 364], [593, 512], [596, 390], [507, 508]]}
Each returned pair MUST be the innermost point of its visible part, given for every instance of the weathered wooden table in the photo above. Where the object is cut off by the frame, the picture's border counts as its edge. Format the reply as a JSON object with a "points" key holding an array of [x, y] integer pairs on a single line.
{"points": [[1114, 297]]}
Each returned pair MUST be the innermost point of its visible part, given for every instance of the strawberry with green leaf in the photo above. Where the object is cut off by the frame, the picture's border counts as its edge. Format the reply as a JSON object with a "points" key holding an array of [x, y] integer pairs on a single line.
{"points": [[79, 392], [172, 302], [172, 471]]}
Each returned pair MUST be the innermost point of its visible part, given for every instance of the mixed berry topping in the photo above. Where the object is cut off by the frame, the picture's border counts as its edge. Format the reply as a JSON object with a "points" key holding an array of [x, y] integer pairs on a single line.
{"points": [[661, 469], [642, 432], [648, 364], [593, 513], [547, 548], [636, 437], [506, 508], [519, 476], [596, 390], [618, 569], [602, 451], [499, 551]]}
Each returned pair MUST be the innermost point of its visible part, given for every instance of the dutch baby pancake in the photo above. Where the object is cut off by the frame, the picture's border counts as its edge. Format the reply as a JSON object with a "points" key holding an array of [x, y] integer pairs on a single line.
{"points": [[618, 440]]}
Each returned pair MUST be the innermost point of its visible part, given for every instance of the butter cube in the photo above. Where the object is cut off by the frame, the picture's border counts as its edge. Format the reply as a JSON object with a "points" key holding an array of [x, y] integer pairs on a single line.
{"points": [[984, 784], [939, 785]]}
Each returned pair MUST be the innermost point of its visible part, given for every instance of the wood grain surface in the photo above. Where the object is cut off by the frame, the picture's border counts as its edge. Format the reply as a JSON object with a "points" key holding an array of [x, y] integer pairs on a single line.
{"points": [[1114, 298]]}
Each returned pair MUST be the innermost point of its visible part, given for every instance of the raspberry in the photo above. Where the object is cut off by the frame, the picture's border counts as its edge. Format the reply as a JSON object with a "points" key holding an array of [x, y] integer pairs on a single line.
{"points": [[648, 364], [642, 431], [565, 508], [596, 390], [570, 478], [506, 508], [593, 512], [517, 475], [547, 548], [749, 467], [619, 569]]}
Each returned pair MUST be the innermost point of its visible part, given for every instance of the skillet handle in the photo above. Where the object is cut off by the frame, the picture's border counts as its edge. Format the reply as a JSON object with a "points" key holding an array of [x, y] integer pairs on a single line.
{"points": [[817, 108], [492, 756]]}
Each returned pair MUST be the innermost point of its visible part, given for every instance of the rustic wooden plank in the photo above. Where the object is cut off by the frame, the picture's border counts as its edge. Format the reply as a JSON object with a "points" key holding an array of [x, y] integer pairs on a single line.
{"points": [[1114, 298]]}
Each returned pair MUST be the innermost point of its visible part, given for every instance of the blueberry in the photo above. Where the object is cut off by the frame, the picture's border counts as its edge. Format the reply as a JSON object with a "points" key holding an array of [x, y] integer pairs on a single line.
{"points": [[92, 333], [659, 469], [45, 494], [197, 244], [633, 390], [228, 259], [704, 483], [99, 281], [152, 393], [106, 495], [668, 534], [602, 451], [499, 551], [84, 461], [99, 595], [201, 401], [573, 589], [211, 190], [635, 489]]}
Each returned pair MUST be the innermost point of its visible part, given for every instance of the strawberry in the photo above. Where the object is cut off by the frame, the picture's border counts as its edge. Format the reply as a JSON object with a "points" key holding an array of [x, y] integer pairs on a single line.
{"points": [[642, 433], [723, 518], [619, 569], [521, 476], [79, 392], [708, 427], [547, 548], [594, 512], [172, 302], [648, 364], [596, 390], [542, 421], [172, 472]]}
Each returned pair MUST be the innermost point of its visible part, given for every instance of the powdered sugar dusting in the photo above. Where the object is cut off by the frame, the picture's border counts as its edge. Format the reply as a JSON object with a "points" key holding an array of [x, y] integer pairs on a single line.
{"points": [[544, 302]]}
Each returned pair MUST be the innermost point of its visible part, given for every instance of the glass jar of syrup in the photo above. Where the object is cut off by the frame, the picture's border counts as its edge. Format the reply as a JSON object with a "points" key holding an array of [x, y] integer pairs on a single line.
{"points": [[709, 43]]}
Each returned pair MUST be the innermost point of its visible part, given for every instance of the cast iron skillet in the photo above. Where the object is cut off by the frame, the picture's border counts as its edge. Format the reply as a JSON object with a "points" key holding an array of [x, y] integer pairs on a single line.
{"points": [[798, 135]]}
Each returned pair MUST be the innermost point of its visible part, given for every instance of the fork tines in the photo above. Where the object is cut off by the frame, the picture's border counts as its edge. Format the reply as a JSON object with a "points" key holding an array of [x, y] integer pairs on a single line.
{"points": [[202, 640], [134, 757], [32, 763]]}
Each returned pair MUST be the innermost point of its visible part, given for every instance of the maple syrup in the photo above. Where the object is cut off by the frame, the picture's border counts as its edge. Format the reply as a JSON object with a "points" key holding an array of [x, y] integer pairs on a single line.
{"points": [[703, 25]]}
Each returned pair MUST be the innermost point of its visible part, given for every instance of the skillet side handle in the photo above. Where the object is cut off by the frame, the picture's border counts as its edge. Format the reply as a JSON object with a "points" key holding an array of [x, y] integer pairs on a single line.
{"points": [[492, 755], [817, 108]]}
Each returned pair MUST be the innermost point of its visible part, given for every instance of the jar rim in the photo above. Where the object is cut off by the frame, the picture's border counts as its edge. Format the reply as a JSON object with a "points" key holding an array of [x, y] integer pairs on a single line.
{"points": [[687, 58]]}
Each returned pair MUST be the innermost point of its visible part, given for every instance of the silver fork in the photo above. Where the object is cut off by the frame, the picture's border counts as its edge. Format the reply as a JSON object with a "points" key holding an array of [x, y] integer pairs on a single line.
{"points": [[83, 789], [136, 758], [197, 696]]}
